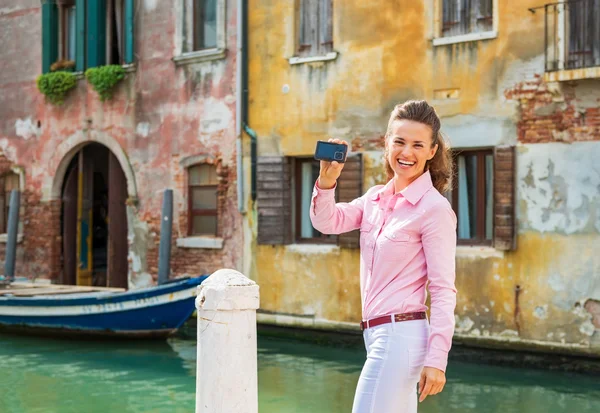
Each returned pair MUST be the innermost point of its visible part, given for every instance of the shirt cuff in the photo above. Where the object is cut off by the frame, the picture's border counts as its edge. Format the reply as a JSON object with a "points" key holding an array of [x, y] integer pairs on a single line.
{"points": [[317, 189], [325, 194], [437, 358]]}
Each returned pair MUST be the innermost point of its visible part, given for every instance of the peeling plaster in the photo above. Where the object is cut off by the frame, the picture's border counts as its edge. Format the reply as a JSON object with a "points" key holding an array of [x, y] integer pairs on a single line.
{"points": [[470, 131], [26, 128], [137, 237], [463, 325], [567, 177], [216, 117], [143, 129], [587, 328], [541, 312], [8, 151], [150, 5]]}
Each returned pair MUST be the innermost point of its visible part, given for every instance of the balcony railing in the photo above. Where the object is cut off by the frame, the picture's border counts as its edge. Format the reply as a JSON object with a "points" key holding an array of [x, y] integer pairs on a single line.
{"points": [[572, 35]]}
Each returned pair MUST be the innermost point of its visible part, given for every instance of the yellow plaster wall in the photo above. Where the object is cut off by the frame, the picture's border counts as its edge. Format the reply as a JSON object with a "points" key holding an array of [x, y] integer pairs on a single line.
{"points": [[385, 57]]}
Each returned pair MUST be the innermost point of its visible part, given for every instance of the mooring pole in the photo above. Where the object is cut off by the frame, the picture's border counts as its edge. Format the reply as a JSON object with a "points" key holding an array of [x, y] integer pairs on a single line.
{"points": [[12, 230], [166, 227], [226, 370]]}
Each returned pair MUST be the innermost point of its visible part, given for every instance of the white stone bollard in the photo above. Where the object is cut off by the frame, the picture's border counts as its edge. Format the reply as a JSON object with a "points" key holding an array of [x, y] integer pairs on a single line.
{"points": [[226, 373]]}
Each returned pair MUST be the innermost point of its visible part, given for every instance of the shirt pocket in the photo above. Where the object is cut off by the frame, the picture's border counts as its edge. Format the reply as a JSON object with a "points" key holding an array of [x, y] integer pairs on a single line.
{"points": [[397, 236]]}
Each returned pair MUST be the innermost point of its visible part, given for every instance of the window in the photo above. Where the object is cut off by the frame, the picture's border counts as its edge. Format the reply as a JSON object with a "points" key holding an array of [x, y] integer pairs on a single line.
{"points": [[8, 182], [315, 28], [473, 196], [202, 30], [284, 193], [89, 33], [66, 24], [115, 10], [466, 16], [583, 46], [205, 24], [483, 197], [306, 173], [202, 200]]}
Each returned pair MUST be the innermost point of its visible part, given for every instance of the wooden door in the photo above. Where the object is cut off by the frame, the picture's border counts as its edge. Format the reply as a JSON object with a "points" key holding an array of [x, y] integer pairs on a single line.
{"points": [[117, 224], [69, 230], [85, 198]]}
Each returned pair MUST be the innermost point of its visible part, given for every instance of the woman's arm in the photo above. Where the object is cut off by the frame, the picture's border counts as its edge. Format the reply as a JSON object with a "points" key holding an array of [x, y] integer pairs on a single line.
{"points": [[439, 245], [330, 218]]}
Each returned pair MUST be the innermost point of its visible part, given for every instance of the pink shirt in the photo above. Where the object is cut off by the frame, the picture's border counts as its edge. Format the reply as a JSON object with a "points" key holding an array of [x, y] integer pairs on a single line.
{"points": [[406, 239]]}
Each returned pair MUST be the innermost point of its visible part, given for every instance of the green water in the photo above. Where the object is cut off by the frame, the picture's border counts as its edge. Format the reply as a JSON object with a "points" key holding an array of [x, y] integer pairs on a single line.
{"points": [[52, 376]]}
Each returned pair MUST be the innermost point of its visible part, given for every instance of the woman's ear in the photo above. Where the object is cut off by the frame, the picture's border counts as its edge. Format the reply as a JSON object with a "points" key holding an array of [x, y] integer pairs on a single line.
{"points": [[433, 152]]}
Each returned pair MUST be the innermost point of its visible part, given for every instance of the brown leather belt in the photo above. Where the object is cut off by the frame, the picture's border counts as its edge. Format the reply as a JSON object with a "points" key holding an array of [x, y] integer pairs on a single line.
{"points": [[388, 319]]}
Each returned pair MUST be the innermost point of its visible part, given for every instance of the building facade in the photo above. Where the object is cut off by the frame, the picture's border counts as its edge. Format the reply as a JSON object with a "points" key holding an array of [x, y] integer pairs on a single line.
{"points": [[516, 84], [92, 172]]}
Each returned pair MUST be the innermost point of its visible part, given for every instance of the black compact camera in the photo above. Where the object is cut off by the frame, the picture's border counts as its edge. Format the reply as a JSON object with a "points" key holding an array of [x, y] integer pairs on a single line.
{"points": [[329, 151]]}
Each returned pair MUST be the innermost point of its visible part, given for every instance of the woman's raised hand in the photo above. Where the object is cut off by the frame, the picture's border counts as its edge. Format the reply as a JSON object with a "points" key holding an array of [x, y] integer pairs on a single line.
{"points": [[330, 171]]}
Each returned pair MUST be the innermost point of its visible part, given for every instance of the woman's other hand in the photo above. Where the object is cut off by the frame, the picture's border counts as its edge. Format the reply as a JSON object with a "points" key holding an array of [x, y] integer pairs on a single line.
{"points": [[330, 171], [432, 382]]}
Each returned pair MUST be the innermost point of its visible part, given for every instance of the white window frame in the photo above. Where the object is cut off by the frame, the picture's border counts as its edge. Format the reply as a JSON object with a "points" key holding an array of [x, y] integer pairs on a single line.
{"points": [[184, 42], [438, 40], [296, 59]]}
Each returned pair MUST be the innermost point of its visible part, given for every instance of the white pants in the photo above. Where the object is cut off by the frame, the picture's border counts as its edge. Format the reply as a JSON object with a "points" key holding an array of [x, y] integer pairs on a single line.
{"points": [[395, 357]]}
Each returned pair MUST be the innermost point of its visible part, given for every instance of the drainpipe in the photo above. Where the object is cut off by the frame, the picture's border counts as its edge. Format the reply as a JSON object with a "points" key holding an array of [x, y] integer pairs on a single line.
{"points": [[243, 9], [238, 111]]}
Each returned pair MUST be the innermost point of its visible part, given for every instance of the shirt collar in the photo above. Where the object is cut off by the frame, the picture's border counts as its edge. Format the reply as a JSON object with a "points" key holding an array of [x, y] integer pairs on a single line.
{"points": [[413, 192]]}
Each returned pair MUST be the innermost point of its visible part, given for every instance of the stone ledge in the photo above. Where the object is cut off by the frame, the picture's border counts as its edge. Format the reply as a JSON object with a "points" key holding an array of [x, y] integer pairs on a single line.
{"points": [[296, 60], [4, 238], [199, 56], [200, 242], [469, 37], [572, 74]]}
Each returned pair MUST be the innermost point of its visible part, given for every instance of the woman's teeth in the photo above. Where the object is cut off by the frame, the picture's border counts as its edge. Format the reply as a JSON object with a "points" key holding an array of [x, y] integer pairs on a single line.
{"points": [[405, 163]]}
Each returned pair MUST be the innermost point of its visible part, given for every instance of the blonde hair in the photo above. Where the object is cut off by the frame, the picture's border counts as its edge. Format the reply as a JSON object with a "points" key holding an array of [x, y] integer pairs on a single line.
{"points": [[440, 166]]}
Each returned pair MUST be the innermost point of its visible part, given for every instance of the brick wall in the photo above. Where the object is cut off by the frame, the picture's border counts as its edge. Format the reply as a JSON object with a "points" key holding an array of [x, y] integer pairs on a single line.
{"points": [[554, 112]]}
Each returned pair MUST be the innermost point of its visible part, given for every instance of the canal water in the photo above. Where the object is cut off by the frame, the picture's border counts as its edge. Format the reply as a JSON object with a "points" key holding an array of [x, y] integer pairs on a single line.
{"points": [[52, 376]]}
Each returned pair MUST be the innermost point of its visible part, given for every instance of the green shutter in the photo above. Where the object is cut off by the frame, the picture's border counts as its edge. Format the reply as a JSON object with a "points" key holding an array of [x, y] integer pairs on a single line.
{"points": [[49, 34], [96, 33], [128, 31], [80, 35]]}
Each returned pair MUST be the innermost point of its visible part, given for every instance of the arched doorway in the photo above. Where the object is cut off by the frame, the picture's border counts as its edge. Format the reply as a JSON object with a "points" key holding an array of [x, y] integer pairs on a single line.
{"points": [[94, 219]]}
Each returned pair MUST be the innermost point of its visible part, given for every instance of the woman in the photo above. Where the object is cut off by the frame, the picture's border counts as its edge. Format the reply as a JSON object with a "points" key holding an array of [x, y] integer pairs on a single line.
{"points": [[407, 239]]}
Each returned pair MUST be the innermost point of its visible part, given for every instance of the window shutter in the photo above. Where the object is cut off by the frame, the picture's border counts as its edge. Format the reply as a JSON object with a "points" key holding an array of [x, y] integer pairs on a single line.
{"points": [[96, 32], [308, 25], [326, 25], [504, 198], [349, 188], [80, 35], [274, 200], [128, 31], [484, 9], [49, 34]]}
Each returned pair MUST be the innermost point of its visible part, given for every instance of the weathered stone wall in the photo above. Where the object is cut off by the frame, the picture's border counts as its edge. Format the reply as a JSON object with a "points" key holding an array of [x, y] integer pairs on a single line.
{"points": [[161, 115]]}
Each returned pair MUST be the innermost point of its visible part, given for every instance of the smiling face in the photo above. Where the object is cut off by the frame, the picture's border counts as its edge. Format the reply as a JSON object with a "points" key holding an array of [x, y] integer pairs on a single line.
{"points": [[409, 147]]}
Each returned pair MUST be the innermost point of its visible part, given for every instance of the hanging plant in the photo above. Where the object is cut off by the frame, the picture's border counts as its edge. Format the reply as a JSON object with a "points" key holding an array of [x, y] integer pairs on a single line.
{"points": [[104, 78], [55, 85]]}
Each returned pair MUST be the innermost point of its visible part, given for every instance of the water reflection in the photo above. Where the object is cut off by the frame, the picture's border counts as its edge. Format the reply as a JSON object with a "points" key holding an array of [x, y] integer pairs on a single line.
{"points": [[306, 378], [44, 375]]}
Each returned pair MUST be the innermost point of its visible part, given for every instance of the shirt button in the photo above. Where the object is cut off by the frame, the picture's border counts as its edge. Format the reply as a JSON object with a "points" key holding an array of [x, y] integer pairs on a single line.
{"points": [[390, 209], [393, 235]]}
